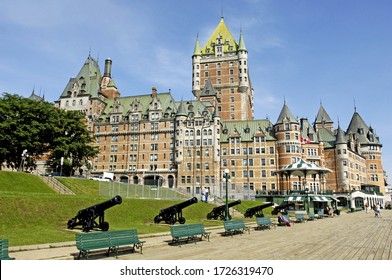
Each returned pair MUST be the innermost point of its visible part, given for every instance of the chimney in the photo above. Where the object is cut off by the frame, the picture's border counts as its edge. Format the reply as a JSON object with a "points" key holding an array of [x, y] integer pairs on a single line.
{"points": [[153, 92], [108, 68]]}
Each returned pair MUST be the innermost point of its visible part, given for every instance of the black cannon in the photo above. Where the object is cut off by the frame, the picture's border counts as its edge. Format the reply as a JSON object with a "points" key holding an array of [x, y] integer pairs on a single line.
{"points": [[219, 211], [173, 213], [86, 217], [282, 208], [257, 210]]}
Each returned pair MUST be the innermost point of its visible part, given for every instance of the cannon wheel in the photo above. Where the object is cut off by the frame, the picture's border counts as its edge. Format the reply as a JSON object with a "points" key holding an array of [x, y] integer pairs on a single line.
{"points": [[104, 226], [171, 220], [71, 223], [181, 220]]}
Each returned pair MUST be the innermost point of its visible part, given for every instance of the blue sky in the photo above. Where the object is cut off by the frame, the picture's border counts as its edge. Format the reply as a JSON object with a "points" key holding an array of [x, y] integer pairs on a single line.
{"points": [[335, 52]]}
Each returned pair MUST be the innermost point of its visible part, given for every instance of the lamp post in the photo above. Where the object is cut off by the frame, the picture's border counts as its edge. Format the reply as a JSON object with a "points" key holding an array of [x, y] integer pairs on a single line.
{"points": [[227, 194]]}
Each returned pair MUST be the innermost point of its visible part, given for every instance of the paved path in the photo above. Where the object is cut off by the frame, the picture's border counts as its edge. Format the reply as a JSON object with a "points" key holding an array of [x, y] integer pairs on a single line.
{"points": [[354, 236]]}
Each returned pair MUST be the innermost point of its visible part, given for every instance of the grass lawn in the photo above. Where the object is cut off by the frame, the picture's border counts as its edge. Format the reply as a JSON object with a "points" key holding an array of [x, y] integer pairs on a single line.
{"points": [[31, 213]]}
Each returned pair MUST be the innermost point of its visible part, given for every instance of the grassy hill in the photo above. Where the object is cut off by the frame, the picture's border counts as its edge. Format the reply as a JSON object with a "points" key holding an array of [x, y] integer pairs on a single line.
{"points": [[31, 213]]}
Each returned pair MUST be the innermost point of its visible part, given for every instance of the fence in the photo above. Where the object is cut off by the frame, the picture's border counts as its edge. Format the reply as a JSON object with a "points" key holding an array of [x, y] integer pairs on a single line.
{"points": [[125, 190]]}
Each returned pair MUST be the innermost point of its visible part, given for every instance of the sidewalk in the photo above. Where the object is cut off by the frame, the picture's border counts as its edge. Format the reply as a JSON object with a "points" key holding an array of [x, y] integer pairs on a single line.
{"points": [[353, 236]]}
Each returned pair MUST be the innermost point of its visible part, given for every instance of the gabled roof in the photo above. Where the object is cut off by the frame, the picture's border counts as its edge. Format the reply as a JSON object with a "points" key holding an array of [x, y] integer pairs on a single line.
{"points": [[193, 108], [208, 88], [247, 130], [89, 76], [222, 32], [167, 102], [307, 131]]}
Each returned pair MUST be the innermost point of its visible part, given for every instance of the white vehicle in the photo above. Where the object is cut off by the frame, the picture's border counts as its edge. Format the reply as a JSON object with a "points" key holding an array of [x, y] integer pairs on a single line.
{"points": [[108, 175]]}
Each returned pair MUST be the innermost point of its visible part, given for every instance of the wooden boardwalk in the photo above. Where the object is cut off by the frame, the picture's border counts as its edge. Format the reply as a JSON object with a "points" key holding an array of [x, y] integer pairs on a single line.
{"points": [[353, 236]]}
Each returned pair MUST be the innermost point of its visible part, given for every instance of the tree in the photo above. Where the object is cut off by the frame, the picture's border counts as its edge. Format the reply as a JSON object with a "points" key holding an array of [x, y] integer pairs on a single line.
{"points": [[36, 128], [72, 142]]}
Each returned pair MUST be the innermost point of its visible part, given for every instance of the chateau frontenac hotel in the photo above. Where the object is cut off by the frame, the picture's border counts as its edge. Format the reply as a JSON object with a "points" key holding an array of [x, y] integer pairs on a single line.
{"points": [[153, 139]]}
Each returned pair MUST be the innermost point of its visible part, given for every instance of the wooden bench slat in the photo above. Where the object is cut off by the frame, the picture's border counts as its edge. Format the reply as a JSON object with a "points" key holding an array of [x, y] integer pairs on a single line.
{"points": [[4, 250], [188, 232], [264, 222], [111, 240], [234, 226]]}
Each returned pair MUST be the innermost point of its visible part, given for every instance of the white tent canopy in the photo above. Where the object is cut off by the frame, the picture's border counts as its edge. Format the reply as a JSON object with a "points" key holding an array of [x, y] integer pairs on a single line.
{"points": [[302, 168]]}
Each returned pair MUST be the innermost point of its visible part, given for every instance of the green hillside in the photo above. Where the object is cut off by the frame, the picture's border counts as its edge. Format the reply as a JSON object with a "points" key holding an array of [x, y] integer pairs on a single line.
{"points": [[31, 213]]}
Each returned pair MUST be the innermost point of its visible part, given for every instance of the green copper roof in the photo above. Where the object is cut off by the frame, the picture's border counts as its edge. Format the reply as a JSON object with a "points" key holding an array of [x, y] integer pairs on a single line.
{"points": [[87, 79], [327, 137], [241, 45], [193, 107], [286, 113], [197, 50], [223, 33], [247, 130], [125, 105], [362, 132], [322, 116]]}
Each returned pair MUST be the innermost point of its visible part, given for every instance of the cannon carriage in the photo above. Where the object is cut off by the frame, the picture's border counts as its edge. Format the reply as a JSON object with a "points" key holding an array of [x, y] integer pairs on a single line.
{"points": [[86, 217], [173, 213], [257, 210], [219, 211]]}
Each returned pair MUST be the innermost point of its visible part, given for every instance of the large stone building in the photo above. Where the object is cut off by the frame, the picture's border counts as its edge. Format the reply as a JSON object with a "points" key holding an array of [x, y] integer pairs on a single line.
{"points": [[152, 139]]}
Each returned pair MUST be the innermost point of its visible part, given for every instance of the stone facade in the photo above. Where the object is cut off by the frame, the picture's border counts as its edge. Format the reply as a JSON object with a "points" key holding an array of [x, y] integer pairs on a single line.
{"points": [[153, 139]]}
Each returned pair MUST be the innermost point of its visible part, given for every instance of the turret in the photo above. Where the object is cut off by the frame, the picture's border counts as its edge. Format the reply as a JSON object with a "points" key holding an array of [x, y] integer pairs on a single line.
{"points": [[342, 160], [196, 65], [242, 65]]}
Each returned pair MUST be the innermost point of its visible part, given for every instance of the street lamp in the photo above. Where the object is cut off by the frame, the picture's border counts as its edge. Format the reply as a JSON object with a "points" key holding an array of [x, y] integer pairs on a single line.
{"points": [[25, 155], [227, 194]]}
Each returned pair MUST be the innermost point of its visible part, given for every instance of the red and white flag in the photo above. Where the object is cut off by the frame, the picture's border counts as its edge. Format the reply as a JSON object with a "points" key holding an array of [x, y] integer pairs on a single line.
{"points": [[304, 140]]}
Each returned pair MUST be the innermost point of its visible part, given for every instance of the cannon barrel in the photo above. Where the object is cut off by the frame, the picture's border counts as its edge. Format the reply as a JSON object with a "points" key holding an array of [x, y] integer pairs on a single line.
{"points": [[86, 217], [220, 210], [100, 207], [230, 204], [281, 207], [254, 210], [173, 213], [177, 207]]}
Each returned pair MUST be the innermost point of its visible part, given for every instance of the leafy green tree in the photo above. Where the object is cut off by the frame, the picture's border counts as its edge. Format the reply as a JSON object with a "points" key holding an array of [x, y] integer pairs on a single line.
{"points": [[30, 129], [72, 142]]}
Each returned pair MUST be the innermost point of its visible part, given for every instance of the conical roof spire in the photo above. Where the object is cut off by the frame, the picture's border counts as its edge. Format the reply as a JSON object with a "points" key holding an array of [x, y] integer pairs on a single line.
{"points": [[241, 44], [322, 116], [340, 136], [197, 50], [181, 109], [285, 113]]}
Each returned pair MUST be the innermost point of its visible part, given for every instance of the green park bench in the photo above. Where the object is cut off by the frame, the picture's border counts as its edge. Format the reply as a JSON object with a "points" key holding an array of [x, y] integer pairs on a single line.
{"points": [[300, 218], [112, 240], [264, 222], [4, 250], [235, 226], [311, 216], [188, 232]]}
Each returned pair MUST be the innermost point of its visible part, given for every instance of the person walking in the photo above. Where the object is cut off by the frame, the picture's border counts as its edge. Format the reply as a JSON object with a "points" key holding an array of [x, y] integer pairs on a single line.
{"points": [[366, 208], [377, 211]]}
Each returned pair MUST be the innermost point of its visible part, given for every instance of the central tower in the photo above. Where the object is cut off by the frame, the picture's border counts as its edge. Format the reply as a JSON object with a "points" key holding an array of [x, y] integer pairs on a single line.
{"points": [[220, 74]]}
